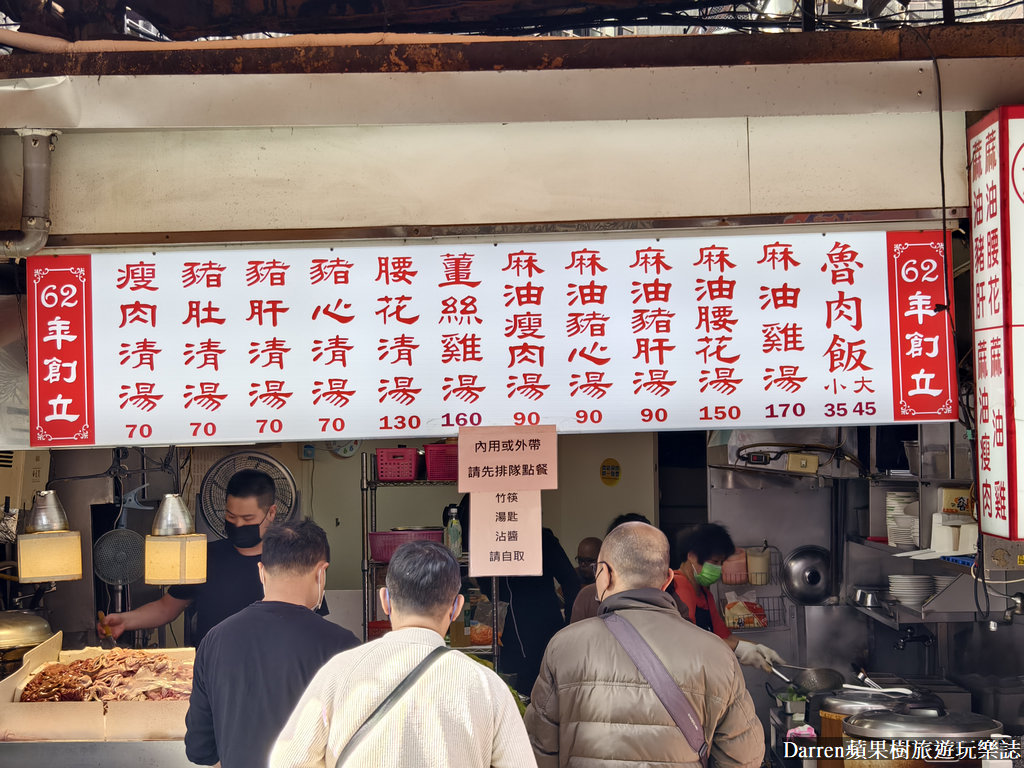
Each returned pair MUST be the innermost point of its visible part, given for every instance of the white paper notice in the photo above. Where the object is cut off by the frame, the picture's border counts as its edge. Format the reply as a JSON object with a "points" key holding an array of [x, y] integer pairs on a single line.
{"points": [[504, 534]]}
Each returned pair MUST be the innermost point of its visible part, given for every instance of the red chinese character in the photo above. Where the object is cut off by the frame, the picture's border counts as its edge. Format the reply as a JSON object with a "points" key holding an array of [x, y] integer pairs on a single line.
{"points": [[336, 270], [986, 499], [862, 385], [259, 271], [999, 499], [464, 388], [525, 326], [979, 301], [984, 417], [781, 297], [145, 351], [335, 392], [719, 350], [457, 269], [270, 393], [207, 397], [524, 295], [395, 313], [978, 208], [985, 453], [593, 323], [335, 313], [657, 382], [981, 364], [786, 379], [591, 293], [259, 308], [208, 273], [715, 289], [55, 371], [401, 347], [992, 243], [207, 352], [999, 431], [460, 349], [658, 320], [591, 354], [782, 338], [650, 258], [272, 349], [656, 291], [526, 354], [456, 311], [58, 331], [201, 315], [976, 169], [520, 262], [647, 347], [842, 259], [395, 269], [138, 312], [779, 253], [723, 380], [841, 309], [143, 396], [845, 355], [336, 349], [401, 391], [994, 299], [979, 249], [137, 277], [527, 385], [714, 256], [991, 200], [708, 319], [592, 384], [991, 159], [586, 261]]}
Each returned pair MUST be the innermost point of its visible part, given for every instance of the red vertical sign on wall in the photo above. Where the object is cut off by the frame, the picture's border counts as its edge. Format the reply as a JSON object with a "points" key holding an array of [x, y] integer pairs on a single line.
{"points": [[60, 344], [923, 370]]}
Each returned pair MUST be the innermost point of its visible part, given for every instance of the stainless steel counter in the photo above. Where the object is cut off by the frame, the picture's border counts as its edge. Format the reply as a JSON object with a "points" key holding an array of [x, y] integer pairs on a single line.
{"points": [[94, 754]]}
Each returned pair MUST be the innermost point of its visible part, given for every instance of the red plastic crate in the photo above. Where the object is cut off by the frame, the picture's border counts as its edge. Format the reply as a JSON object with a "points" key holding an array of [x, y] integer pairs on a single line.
{"points": [[442, 462], [398, 464], [384, 543]]}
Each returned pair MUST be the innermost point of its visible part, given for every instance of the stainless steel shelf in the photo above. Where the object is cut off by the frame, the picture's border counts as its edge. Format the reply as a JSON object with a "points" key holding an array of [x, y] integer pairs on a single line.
{"points": [[902, 615]]}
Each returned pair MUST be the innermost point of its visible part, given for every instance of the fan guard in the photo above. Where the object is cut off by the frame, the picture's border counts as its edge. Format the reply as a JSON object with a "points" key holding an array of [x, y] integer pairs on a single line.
{"points": [[213, 489], [117, 557]]}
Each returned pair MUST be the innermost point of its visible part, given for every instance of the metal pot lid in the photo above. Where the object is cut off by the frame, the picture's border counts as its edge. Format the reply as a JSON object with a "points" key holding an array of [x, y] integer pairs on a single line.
{"points": [[19, 629], [805, 575], [880, 724], [848, 702]]}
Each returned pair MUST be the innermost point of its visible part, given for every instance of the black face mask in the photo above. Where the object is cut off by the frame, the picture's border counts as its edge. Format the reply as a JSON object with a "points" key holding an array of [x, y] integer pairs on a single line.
{"points": [[243, 536]]}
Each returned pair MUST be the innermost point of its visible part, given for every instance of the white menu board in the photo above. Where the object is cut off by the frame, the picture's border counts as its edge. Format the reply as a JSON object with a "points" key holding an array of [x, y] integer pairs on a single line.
{"points": [[715, 331]]}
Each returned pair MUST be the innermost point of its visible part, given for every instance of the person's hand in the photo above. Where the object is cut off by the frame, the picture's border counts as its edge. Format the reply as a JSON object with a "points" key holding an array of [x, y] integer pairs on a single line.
{"points": [[755, 655], [112, 625]]}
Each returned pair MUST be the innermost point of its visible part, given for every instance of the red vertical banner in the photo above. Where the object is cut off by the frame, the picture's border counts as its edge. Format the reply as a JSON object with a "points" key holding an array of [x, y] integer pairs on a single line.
{"points": [[923, 364], [59, 355]]}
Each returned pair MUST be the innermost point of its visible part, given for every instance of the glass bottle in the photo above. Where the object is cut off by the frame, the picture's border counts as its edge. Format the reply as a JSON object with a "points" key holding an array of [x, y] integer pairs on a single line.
{"points": [[453, 532]]}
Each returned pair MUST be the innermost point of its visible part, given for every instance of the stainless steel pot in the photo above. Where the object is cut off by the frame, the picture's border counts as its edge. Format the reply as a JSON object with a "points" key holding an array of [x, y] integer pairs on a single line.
{"points": [[20, 631], [881, 725]]}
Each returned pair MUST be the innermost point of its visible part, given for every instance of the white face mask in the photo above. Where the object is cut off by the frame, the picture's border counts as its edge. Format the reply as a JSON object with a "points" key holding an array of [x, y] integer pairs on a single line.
{"points": [[321, 588]]}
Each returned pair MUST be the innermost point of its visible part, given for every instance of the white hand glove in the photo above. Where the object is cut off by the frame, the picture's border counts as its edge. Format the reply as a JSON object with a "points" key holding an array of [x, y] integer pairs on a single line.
{"points": [[756, 655]]}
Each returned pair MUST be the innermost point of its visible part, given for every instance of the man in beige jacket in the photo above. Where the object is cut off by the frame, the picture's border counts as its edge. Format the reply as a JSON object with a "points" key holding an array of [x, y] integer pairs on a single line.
{"points": [[591, 706]]}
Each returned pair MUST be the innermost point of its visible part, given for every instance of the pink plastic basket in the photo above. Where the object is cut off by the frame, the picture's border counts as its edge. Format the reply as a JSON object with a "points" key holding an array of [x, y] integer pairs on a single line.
{"points": [[397, 464], [384, 543], [442, 462]]}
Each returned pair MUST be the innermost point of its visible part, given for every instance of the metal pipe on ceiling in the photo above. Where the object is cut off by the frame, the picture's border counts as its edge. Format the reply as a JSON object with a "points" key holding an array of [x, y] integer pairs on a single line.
{"points": [[37, 145]]}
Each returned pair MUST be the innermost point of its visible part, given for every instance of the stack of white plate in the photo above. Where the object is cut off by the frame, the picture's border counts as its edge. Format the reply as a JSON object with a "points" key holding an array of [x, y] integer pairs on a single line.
{"points": [[941, 582], [901, 519], [911, 590]]}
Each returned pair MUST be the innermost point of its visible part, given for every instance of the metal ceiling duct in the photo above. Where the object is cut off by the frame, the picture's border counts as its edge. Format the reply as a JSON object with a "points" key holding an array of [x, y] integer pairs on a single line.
{"points": [[36, 145]]}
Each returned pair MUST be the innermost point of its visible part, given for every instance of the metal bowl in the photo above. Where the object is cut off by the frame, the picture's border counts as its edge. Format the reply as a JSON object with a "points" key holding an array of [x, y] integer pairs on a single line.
{"points": [[868, 597]]}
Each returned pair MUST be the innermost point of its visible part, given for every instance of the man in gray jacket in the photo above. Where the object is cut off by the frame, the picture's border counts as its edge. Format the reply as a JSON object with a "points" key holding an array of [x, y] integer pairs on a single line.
{"points": [[591, 706]]}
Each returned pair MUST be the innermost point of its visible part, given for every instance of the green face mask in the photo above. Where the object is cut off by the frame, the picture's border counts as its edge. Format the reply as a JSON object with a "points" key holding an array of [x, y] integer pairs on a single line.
{"points": [[708, 574]]}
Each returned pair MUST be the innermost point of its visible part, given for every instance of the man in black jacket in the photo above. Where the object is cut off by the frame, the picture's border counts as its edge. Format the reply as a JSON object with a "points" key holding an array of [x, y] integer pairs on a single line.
{"points": [[252, 668]]}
